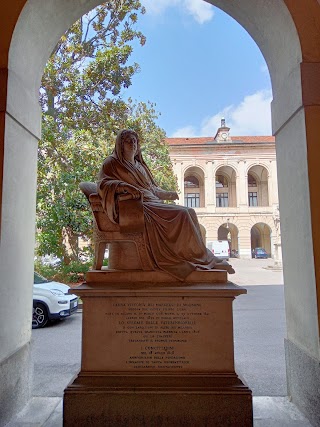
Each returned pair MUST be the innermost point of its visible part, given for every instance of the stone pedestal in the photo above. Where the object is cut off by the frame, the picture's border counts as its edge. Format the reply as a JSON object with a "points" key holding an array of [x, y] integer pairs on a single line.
{"points": [[278, 255], [157, 352]]}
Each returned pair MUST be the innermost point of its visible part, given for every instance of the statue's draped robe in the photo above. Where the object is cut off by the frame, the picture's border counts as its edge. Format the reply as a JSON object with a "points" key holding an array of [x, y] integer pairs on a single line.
{"points": [[172, 232]]}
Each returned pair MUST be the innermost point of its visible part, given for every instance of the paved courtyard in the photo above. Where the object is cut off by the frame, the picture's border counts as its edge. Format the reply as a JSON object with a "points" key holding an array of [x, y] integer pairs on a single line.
{"points": [[250, 272]]}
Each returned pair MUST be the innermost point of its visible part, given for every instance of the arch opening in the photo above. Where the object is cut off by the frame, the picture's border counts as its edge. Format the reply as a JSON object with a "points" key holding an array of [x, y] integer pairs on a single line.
{"points": [[30, 48], [194, 188], [226, 190], [229, 231], [261, 237], [258, 186]]}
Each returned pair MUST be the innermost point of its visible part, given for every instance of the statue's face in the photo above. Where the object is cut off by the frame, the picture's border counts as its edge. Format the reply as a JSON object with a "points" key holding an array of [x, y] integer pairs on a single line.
{"points": [[130, 145]]}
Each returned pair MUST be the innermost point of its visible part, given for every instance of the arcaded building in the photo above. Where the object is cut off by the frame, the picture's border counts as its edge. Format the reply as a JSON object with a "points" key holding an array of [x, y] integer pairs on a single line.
{"points": [[231, 181]]}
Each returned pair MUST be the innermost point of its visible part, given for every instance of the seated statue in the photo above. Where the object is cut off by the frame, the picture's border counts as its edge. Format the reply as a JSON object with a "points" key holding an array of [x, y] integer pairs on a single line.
{"points": [[172, 232]]}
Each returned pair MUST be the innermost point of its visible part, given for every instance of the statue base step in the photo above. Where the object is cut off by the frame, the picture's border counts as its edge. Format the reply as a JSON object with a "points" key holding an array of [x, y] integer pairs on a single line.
{"points": [[96, 399], [158, 276]]}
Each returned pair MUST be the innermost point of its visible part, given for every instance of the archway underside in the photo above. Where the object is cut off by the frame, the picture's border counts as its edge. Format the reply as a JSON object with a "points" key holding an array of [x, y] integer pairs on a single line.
{"points": [[290, 43]]}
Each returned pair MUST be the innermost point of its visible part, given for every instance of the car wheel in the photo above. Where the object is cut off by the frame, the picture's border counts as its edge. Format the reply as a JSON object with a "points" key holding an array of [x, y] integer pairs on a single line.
{"points": [[39, 316]]}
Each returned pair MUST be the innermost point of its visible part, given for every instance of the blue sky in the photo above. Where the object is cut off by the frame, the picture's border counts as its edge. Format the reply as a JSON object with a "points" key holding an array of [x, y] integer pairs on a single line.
{"points": [[197, 66]]}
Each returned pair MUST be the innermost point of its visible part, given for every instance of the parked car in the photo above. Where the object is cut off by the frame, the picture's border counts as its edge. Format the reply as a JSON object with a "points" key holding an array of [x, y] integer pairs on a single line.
{"points": [[259, 253], [51, 260], [51, 301]]}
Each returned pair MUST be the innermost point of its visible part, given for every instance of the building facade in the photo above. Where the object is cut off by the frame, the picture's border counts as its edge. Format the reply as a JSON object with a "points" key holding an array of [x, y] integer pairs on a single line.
{"points": [[231, 181]]}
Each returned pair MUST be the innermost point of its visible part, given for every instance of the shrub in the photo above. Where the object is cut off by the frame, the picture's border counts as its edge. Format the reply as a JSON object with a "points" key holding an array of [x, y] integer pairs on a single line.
{"points": [[72, 273]]}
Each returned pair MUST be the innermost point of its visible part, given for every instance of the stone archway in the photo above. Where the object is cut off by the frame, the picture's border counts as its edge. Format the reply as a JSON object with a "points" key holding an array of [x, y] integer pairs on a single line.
{"points": [[228, 231], [287, 33], [194, 187], [226, 190], [261, 237], [223, 233], [258, 191]]}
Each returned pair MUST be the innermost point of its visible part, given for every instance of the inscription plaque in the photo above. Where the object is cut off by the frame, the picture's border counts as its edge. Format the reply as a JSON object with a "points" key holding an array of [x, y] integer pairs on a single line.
{"points": [[166, 334]]}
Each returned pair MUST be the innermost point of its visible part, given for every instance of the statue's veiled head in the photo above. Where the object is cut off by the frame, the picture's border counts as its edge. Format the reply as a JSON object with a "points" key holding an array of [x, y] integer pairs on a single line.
{"points": [[119, 147]]}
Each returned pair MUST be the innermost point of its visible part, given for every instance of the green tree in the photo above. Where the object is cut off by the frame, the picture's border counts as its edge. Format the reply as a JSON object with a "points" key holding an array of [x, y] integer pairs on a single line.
{"points": [[62, 213], [82, 111], [89, 67]]}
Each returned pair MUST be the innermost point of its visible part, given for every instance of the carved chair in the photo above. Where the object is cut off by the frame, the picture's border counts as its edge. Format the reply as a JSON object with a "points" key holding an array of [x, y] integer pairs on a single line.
{"points": [[129, 229]]}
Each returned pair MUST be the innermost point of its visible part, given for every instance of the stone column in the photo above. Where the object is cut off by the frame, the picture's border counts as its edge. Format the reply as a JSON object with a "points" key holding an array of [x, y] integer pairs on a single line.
{"points": [[244, 242], [19, 133], [214, 192], [177, 167], [242, 186], [272, 185], [297, 143], [209, 185]]}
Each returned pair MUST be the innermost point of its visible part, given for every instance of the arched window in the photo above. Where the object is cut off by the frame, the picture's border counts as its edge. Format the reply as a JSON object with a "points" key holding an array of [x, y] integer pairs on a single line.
{"points": [[192, 195], [221, 181], [222, 191], [251, 181], [191, 182], [258, 186]]}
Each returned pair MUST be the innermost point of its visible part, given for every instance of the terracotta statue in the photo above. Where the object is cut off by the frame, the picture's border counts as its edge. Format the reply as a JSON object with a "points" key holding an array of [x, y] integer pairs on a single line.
{"points": [[172, 232]]}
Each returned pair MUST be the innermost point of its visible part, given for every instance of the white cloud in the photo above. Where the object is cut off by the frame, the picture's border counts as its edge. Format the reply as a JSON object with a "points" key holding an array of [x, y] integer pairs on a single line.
{"points": [[186, 132], [251, 117], [157, 7], [198, 9], [264, 68]]}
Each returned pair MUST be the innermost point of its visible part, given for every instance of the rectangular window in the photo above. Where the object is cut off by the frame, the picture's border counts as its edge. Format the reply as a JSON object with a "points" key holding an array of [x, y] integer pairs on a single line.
{"points": [[192, 200], [222, 200], [253, 198]]}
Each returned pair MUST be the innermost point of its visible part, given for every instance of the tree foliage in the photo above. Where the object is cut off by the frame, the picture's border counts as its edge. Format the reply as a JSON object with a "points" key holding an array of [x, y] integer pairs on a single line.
{"points": [[83, 108], [89, 67]]}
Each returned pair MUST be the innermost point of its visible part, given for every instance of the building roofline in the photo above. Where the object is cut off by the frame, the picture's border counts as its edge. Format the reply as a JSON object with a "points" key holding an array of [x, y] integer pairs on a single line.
{"points": [[205, 141]]}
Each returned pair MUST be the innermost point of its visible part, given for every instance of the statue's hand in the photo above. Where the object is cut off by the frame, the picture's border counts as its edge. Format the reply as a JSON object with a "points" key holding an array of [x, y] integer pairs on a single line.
{"points": [[165, 195], [172, 195], [129, 189]]}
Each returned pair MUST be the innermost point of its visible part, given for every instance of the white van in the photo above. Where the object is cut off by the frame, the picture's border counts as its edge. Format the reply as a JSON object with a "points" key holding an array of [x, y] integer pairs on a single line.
{"points": [[219, 248]]}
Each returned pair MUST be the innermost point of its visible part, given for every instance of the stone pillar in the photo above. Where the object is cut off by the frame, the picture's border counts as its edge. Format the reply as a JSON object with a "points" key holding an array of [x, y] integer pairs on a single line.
{"points": [[277, 255], [272, 185], [181, 183], [20, 130], [214, 193], [297, 143], [244, 242], [177, 168], [242, 186], [209, 185]]}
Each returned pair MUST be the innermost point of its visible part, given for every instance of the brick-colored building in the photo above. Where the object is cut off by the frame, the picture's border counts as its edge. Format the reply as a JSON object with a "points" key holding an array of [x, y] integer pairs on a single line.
{"points": [[231, 181]]}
